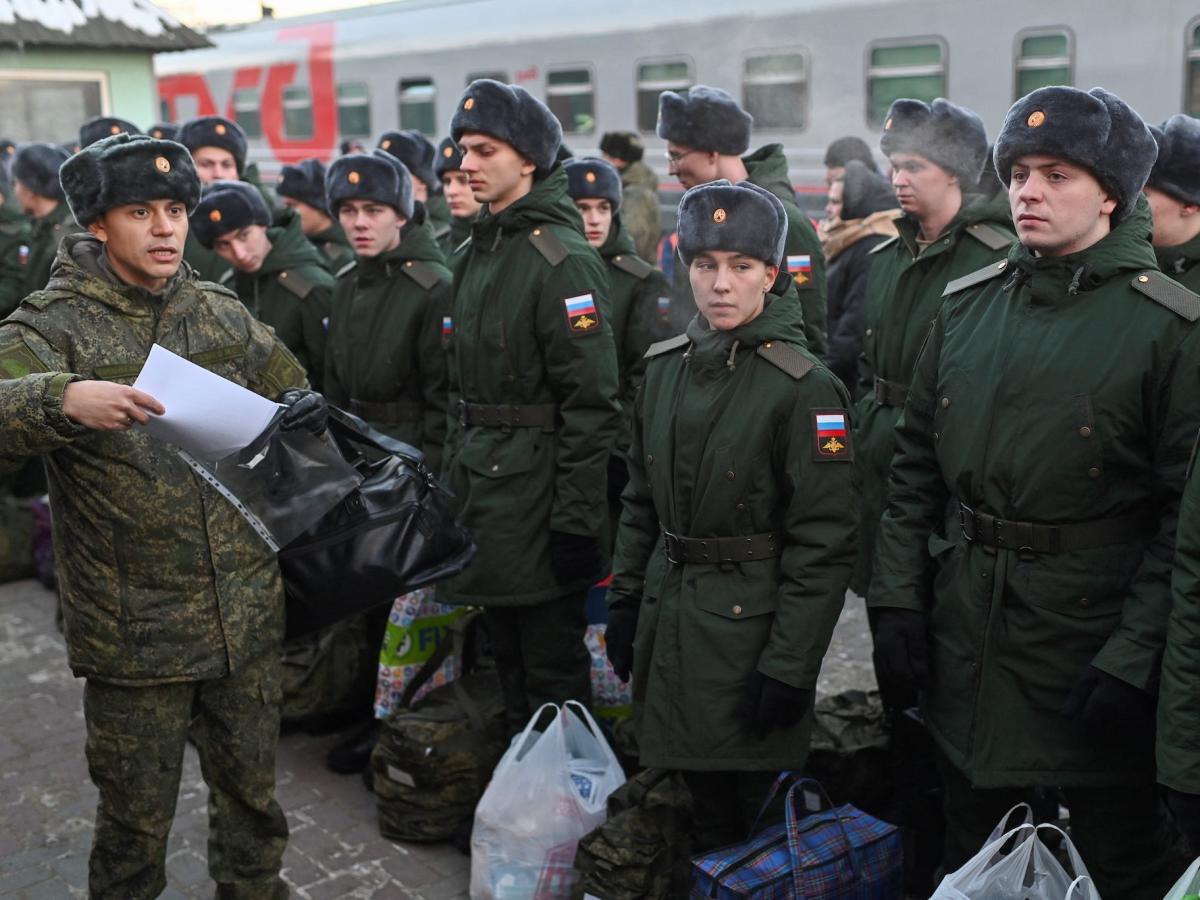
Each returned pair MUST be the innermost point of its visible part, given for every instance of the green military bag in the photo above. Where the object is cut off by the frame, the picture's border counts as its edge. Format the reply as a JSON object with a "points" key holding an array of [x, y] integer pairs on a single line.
{"points": [[328, 673], [642, 851], [16, 538], [433, 761]]}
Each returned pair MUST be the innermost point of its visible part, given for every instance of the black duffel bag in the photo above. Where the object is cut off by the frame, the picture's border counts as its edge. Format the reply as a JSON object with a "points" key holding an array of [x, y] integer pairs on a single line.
{"points": [[393, 534]]}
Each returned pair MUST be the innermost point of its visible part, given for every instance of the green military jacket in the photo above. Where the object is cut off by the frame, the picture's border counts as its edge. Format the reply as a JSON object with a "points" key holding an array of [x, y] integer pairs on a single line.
{"points": [[725, 445], [639, 208], [205, 263], [45, 235], [438, 214], [15, 235], [1181, 262], [161, 579], [386, 359], [460, 230], [1024, 407], [904, 292], [291, 292], [334, 247], [532, 327]]}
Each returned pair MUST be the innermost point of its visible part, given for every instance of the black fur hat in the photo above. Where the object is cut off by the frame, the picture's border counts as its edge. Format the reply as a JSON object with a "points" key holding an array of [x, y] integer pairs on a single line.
{"points": [[865, 191], [512, 114], [215, 131], [228, 206], [104, 126], [416, 152], [164, 131], [844, 149], [742, 218], [305, 182], [448, 159], [127, 168], [704, 118], [1177, 169], [36, 166], [377, 176], [588, 178], [1095, 129], [626, 146], [951, 136]]}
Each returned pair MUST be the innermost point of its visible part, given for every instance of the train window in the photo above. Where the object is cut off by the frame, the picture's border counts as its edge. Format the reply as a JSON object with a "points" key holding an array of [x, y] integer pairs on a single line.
{"points": [[654, 78], [1044, 57], [915, 68], [1192, 87], [297, 111], [354, 110], [571, 98], [495, 75], [245, 111], [417, 105], [775, 90]]}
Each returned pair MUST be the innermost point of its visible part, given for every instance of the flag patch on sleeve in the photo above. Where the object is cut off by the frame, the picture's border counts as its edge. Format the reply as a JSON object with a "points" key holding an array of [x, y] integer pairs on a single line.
{"points": [[831, 434], [799, 266], [583, 317]]}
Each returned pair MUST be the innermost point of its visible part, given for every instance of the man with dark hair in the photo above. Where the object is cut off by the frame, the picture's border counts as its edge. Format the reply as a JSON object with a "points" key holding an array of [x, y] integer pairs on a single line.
{"points": [[639, 190], [38, 192], [842, 151], [301, 188], [1174, 194], [456, 186]]}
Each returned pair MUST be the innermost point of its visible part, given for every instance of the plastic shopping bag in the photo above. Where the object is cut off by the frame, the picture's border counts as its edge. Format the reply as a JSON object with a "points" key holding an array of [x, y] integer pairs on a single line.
{"points": [[416, 626], [612, 699], [1187, 885], [548, 791]]}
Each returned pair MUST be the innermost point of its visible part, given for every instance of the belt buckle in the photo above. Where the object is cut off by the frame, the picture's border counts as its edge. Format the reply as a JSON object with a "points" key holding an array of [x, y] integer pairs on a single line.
{"points": [[962, 523], [667, 549], [462, 413]]}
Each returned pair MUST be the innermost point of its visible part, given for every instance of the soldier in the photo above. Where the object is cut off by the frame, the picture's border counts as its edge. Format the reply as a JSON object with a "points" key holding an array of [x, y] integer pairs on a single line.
{"points": [[14, 250], [173, 606], [1023, 570], [737, 535], [104, 126], [706, 133], [1174, 194], [35, 185], [534, 372], [456, 186], [302, 188], [842, 151], [164, 131], [418, 155], [639, 190], [278, 274]]}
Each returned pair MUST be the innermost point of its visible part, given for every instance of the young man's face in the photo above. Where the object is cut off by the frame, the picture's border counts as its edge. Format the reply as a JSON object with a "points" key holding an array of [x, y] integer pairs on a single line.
{"points": [[457, 187], [691, 166], [833, 205], [420, 190], [1057, 206], [25, 198], [1175, 222], [245, 249], [730, 288], [373, 227], [312, 220], [214, 164], [922, 187], [496, 172], [597, 219], [144, 241]]}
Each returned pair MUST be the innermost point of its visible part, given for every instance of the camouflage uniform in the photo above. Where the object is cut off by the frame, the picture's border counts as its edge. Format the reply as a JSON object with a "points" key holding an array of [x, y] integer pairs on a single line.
{"points": [[173, 607], [639, 208]]}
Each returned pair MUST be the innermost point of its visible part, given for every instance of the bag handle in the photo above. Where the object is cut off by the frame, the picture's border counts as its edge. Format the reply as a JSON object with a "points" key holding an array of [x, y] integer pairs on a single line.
{"points": [[1084, 885], [1001, 825], [793, 824], [523, 739], [353, 429]]}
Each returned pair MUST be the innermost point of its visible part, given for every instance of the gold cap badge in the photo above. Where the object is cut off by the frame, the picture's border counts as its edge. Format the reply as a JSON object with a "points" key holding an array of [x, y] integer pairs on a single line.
{"points": [[448, 152], [353, 178], [384, 145], [214, 216], [887, 126], [114, 129], [470, 104], [162, 164], [220, 129], [590, 177], [718, 215], [156, 133], [1036, 118]]}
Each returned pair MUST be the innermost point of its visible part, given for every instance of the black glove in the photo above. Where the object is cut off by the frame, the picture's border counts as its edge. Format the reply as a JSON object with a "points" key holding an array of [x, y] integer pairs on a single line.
{"points": [[902, 647], [305, 409], [1186, 809], [1106, 706], [618, 636], [618, 476], [768, 704], [574, 557]]}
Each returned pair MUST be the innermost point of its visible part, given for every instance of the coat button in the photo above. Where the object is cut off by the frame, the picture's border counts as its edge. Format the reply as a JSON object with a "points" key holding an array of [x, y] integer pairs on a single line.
{"points": [[737, 610], [650, 459], [1143, 278], [741, 507], [408, 265], [870, 331], [1085, 432], [495, 468], [945, 403], [731, 475], [536, 232], [616, 258], [283, 274], [1085, 602], [1094, 472]]}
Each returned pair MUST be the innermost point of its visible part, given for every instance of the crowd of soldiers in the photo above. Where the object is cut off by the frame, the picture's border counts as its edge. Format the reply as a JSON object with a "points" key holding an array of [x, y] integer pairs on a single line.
{"points": [[970, 395]]}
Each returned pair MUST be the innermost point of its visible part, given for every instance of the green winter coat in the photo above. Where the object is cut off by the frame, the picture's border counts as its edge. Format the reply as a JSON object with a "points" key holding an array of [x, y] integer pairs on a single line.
{"points": [[1181, 262], [14, 258], [460, 230], [1025, 407], [161, 579], [514, 343], [385, 360], [904, 292], [639, 208], [438, 214], [291, 292], [45, 235], [724, 445], [334, 248], [1178, 714]]}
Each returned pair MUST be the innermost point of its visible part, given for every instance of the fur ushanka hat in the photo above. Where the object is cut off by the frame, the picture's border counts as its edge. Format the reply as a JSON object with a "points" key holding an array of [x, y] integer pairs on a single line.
{"points": [[1177, 169], [593, 178], [127, 168], [36, 166], [742, 218], [228, 206], [512, 114], [305, 182], [377, 176], [951, 136], [704, 118], [215, 131]]}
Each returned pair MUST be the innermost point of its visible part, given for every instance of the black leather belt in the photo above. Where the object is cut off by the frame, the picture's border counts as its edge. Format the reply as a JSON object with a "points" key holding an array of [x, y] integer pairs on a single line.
{"points": [[1029, 537], [394, 411], [889, 393], [696, 551], [533, 415]]}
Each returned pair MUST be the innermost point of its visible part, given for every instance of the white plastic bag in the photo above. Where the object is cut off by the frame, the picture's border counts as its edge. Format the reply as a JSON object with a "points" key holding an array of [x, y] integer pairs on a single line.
{"points": [[548, 791], [1029, 871], [1189, 883]]}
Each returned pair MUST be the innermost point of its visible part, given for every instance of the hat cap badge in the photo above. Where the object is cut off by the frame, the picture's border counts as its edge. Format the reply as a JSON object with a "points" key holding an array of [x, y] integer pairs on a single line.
{"points": [[1036, 118], [353, 177], [214, 216], [887, 126], [470, 104], [718, 215], [448, 152], [162, 164], [220, 129], [385, 144], [590, 177], [115, 129]]}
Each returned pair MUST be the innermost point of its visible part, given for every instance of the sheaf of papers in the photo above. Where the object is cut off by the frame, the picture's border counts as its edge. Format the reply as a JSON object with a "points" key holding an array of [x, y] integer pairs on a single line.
{"points": [[208, 416]]}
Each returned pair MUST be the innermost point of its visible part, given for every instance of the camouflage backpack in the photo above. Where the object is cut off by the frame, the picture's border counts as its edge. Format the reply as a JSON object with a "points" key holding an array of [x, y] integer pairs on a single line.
{"points": [[643, 851]]}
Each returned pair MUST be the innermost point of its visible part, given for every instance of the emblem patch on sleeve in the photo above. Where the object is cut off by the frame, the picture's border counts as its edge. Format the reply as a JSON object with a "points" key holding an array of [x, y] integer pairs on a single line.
{"points": [[799, 266], [583, 317], [831, 435]]}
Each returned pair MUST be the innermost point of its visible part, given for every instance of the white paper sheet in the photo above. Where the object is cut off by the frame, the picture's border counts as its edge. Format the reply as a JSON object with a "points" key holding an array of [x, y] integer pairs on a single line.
{"points": [[207, 415]]}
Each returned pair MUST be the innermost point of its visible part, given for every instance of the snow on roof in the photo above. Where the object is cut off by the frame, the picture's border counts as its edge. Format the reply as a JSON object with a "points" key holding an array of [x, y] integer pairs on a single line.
{"points": [[115, 24]]}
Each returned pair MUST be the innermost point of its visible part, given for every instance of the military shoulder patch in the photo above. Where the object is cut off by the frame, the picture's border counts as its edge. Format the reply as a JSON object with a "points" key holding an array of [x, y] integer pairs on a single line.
{"points": [[661, 347], [295, 282], [799, 266], [18, 360], [979, 276], [633, 265], [583, 315], [1169, 293], [421, 273], [992, 238], [831, 435], [786, 358], [281, 372], [546, 242], [882, 244]]}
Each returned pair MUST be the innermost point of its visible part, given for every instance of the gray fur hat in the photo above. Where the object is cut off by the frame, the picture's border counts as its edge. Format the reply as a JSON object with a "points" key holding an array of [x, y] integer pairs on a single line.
{"points": [[742, 218], [227, 206], [305, 182], [164, 131], [416, 152], [215, 131], [951, 136], [377, 176], [448, 159], [865, 191], [127, 168], [36, 166], [704, 118], [1177, 169], [512, 114], [104, 126], [587, 178], [1095, 129], [844, 149]]}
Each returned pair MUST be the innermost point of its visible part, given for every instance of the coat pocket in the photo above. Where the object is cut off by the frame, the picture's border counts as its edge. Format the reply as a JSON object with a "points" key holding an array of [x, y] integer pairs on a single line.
{"points": [[503, 456]]}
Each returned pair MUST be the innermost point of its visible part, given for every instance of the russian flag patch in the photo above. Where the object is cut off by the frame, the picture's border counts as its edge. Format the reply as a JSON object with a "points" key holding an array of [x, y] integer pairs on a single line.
{"points": [[799, 266], [582, 315], [831, 435]]}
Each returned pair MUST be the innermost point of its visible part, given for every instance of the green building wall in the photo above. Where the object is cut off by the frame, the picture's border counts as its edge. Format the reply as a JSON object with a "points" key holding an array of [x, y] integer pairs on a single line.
{"points": [[131, 87]]}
